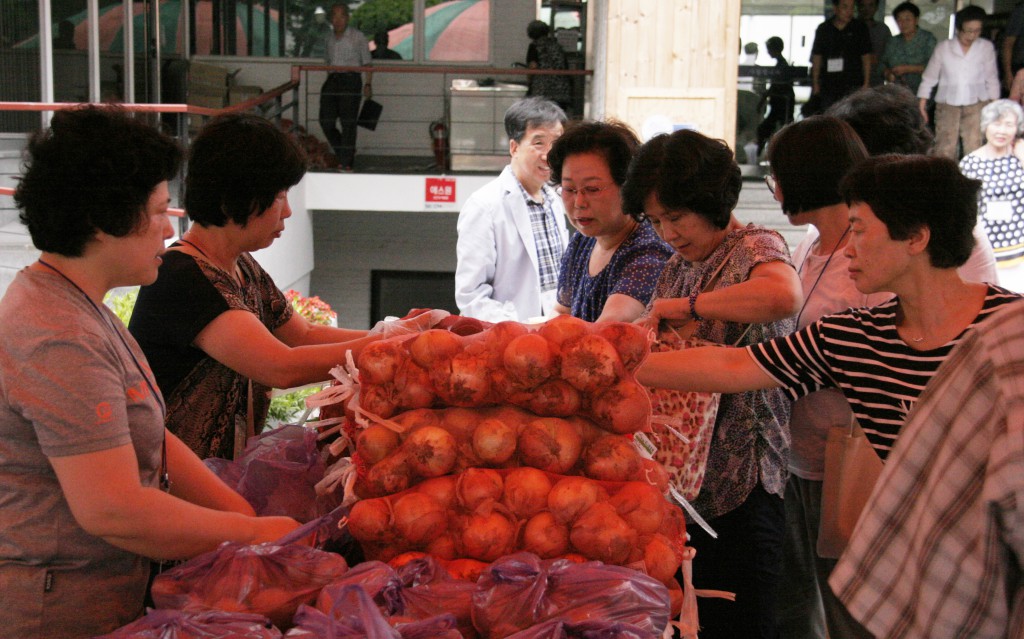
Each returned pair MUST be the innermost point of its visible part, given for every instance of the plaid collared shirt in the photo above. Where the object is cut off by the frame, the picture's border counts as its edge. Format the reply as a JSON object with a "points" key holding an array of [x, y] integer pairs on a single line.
{"points": [[938, 551], [545, 236]]}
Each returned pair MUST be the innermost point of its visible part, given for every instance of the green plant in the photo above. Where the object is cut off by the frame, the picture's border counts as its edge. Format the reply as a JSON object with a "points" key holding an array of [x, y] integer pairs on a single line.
{"points": [[122, 303]]}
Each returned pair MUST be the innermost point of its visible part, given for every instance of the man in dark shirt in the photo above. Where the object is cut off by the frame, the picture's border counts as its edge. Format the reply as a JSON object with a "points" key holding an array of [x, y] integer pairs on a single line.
{"points": [[840, 56]]}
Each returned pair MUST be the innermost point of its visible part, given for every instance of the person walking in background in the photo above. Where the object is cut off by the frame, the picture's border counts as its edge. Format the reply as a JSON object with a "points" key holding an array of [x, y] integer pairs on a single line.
{"points": [[879, 35], [998, 164], [780, 97], [1012, 50], [964, 71], [512, 230], [380, 47], [544, 52], [613, 260], [840, 57], [908, 52], [343, 91]]}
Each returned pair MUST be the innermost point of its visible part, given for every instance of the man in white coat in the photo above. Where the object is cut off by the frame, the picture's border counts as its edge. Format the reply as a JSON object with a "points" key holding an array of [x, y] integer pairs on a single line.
{"points": [[512, 231]]}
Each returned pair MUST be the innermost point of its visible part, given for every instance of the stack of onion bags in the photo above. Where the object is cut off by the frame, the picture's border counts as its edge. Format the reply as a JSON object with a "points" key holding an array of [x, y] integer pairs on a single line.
{"points": [[515, 438]]}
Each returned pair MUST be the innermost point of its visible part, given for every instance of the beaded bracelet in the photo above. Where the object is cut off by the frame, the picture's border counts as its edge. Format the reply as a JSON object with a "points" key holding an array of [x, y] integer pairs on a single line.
{"points": [[693, 304]]}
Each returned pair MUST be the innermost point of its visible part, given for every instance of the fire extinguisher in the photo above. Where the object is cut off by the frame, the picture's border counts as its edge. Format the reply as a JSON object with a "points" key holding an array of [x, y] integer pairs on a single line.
{"points": [[439, 138]]}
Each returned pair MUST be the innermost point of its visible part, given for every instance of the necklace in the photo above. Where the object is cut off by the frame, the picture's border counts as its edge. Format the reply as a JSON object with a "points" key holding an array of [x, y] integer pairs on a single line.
{"points": [[232, 273], [824, 268], [165, 477]]}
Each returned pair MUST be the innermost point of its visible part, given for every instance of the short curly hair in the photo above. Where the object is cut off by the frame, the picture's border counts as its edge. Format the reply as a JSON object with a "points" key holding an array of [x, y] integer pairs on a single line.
{"points": [[908, 192], [236, 167], [612, 140], [887, 119], [92, 171], [686, 171]]}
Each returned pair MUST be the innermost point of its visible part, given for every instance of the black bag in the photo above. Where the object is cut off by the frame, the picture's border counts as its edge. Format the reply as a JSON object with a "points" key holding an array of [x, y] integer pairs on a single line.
{"points": [[369, 114]]}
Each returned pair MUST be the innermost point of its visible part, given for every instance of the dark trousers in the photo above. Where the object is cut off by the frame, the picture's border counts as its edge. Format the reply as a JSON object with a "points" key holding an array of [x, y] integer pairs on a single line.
{"points": [[340, 98], [745, 559]]}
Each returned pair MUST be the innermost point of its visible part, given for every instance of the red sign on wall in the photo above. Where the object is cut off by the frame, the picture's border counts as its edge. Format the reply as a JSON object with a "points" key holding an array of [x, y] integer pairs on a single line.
{"points": [[440, 191]]}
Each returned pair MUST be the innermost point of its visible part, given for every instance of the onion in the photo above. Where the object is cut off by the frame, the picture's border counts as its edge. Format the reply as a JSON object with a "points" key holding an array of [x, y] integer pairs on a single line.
{"points": [[442, 489], [654, 474], [661, 558], [412, 419], [476, 486], [563, 329], [601, 534], [590, 362], [612, 458], [529, 360], [554, 398], [413, 387], [465, 383], [376, 442], [370, 520], [419, 518], [433, 346], [570, 496], [431, 451], [641, 506], [399, 560], [631, 341], [588, 430], [675, 523], [390, 475], [487, 536], [495, 340], [494, 442], [465, 569], [379, 361], [550, 444], [545, 537], [377, 400], [461, 423], [623, 408], [443, 547], [526, 492]]}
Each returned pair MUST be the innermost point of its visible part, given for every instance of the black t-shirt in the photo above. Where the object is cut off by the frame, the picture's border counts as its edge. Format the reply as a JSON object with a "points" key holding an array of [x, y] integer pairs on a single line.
{"points": [[849, 44]]}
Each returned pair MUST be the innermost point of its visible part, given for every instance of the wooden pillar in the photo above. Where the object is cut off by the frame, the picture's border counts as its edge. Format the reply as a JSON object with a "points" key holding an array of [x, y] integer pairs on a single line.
{"points": [[674, 59]]}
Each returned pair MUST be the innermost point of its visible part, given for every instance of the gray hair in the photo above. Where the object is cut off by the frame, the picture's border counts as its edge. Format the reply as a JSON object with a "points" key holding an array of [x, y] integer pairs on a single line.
{"points": [[997, 109], [535, 111]]}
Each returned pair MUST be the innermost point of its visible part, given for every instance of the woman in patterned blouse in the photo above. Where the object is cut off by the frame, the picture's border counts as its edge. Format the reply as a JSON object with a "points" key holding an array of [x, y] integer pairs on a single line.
{"points": [[613, 260]]}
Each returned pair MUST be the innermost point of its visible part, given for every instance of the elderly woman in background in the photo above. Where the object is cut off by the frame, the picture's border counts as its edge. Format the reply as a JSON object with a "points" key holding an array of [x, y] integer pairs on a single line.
{"points": [[907, 52], [808, 160], [687, 185], [216, 329], [998, 164], [964, 70], [613, 260]]}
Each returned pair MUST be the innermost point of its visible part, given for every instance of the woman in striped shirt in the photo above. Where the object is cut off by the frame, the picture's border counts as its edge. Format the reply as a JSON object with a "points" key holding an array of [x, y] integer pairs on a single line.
{"points": [[911, 219]]}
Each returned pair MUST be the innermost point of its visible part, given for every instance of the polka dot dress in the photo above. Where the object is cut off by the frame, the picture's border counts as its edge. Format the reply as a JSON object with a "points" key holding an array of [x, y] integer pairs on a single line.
{"points": [[1002, 203]]}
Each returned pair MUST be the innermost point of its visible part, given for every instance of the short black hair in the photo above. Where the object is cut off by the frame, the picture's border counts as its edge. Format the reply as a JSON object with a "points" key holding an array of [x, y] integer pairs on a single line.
{"points": [[537, 29], [613, 140], [531, 112], [774, 44], [969, 13], [686, 171], [906, 6], [92, 171], [908, 192], [236, 167], [809, 159], [887, 119]]}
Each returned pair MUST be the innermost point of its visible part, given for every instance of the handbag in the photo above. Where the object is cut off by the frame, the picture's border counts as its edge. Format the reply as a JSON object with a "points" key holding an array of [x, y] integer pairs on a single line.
{"points": [[852, 468], [683, 422], [369, 114]]}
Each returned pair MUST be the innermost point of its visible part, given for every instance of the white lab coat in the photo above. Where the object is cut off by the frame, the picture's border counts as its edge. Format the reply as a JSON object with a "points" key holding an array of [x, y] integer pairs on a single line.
{"points": [[496, 277]]}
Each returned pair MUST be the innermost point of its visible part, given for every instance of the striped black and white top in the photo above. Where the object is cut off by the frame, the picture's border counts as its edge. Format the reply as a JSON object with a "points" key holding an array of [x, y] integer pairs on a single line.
{"points": [[859, 352]]}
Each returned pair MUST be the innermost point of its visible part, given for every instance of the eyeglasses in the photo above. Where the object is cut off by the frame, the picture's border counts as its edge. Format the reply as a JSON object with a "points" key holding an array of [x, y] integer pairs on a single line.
{"points": [[587, 191], [769, 180]]}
